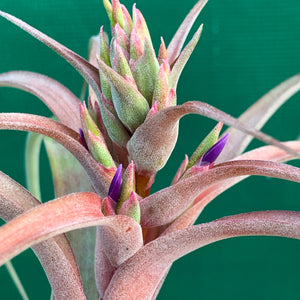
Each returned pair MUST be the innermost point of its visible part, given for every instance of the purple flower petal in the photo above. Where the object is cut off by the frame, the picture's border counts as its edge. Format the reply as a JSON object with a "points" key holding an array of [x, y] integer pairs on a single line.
{"points": [[82, 139], [212, 154], [115, 186]]}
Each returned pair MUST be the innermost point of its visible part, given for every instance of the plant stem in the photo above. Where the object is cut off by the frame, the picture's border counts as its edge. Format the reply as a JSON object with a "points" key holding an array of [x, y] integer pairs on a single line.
{"points": [[13, 274]]}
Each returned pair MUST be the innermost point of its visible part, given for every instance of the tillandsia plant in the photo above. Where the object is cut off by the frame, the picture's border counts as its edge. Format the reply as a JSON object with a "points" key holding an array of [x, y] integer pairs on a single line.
{"points": [[105, 235]]}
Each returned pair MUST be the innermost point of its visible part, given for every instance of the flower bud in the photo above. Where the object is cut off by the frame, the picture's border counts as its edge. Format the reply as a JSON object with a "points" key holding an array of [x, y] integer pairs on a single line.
{"points": [[207, 143], [115, 129], [212, 154], [108, 206], [130, 105], [131, 207], [128, 184], [99, 150], [115, 186], [145, 71]]}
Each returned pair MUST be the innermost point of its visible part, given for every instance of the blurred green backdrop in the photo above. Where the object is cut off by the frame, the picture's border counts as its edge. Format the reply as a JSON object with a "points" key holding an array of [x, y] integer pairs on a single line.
{"points": [[247, 47]]}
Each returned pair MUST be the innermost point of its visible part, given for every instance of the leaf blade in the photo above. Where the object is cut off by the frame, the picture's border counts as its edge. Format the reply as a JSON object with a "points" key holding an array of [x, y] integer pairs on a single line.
{"points": [[63, 135], [164, 206], [122, 235], [182, 32], [144, 270], [89, 72], [61, 101], [263, 153], [258, 114], [54, 253]]}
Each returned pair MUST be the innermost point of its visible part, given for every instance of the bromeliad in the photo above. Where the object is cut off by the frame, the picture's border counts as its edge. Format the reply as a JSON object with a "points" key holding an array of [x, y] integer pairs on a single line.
{"points": [[121, 140]]}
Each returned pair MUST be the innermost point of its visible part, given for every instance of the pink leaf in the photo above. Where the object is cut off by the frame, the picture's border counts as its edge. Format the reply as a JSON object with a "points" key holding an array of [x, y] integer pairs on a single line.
{"points": [[103, 268], [122, 236], [264, 153], [139, 276], [88, 71], [167, 204], [69, 177], [63, 135], [180, 36], [258, 114], [153, 142], [62, 102], [54, 254], [183, 58]]}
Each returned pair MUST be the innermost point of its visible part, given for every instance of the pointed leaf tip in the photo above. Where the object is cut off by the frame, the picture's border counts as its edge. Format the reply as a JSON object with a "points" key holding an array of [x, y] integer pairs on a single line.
{"points": [[115, 186], [212, 154]]}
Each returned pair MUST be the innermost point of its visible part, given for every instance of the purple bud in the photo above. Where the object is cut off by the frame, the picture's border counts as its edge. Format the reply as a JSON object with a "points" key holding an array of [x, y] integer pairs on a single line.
{"points": [[82, 139], [115, 186], [212, 154]]}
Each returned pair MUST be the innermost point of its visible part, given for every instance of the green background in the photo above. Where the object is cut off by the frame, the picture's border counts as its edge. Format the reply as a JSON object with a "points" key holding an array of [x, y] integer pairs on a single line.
{"points": [[247, 47]]}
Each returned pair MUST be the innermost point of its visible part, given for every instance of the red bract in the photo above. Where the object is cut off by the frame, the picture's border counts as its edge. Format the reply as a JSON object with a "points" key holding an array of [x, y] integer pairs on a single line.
{"points": [[120, 142]]}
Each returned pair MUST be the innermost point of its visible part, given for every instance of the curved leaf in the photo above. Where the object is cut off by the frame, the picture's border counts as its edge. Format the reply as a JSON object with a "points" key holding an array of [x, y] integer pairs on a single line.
{"points": [[54, 254], [103, 267], [258, 114], [66, 137], [140, 275], [264, 153], [69, 177], [153, 142], [88, 71], [61, 101], [183, 58], [32, 163], [122, 235], [181, 34], [165, 205]]}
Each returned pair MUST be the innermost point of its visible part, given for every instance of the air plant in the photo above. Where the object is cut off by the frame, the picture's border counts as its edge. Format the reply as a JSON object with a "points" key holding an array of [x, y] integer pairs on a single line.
{"points": [[122, 137]]}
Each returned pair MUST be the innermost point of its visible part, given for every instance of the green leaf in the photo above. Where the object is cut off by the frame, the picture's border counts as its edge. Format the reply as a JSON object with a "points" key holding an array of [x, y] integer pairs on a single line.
{"points": [[145, 71], [32, 163], [69, 177]]}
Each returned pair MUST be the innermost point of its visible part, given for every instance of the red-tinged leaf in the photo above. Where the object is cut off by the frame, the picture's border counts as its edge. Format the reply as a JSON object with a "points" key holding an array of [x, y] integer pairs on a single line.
{"points": [[153, 142], [183, 58], [103, 268], [69, 177], [55, 253], [165, 205], [88, 71], [121, 235], [139, 24], [99, 176], [258, 114], [181, 34], [139, 276], [61, 101], [264, 153], [162, 53], [181, 169], [14, 199], [47, 220]]}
